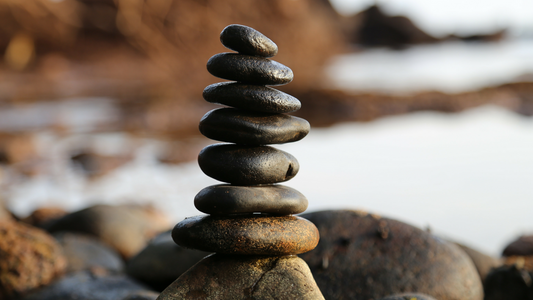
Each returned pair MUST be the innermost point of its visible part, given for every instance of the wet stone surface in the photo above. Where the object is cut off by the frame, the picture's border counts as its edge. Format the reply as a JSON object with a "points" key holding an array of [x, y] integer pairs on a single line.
{"points": [[247, 40], [230, 199], [249, 235], [245, 277], [249, 69], [247, 165], [252, 128], [251, 97], [364, 256]]}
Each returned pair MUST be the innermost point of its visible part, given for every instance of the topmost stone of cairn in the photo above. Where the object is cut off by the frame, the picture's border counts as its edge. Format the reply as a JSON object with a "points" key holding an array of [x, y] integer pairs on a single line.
{"points": [[249, 41]]}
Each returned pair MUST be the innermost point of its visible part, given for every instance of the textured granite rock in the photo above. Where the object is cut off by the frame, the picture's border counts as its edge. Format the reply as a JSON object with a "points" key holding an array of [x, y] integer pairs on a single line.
{"points": [[29, 258], [230, 199], [247, 165], [363, 256], [249, 69], [247, 40], [245, 277], [249, 234], [251, 97]]}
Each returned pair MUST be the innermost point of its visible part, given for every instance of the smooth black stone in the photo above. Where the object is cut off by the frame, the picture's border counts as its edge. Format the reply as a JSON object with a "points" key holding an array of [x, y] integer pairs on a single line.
{"points": [[249, 69], [251, 97], [252, 128], [230, 199], [247, 40], [247, 165]]}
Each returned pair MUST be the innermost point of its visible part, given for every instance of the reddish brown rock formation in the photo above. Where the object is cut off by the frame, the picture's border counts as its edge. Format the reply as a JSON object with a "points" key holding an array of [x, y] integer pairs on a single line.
{"points": [[30, 258]]}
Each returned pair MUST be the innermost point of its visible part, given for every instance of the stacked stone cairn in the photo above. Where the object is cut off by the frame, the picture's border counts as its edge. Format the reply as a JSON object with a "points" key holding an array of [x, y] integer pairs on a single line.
{"points": [[250, 224]]}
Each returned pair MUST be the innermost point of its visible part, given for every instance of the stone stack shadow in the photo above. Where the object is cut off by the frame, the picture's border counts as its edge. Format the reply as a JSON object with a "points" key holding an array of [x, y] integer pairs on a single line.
{"points": [[250, 223]]}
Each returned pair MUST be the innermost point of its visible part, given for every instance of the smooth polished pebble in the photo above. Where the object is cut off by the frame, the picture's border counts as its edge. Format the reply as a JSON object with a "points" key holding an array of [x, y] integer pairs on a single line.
{"points": [[251, 97], [252, 128], [249, 69], [230, 199], [247, 235], [247, 40], [247, 165]]}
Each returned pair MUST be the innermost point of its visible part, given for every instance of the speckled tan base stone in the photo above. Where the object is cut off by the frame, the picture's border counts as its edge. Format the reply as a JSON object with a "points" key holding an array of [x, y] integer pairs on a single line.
{"points": [[245, 277]]}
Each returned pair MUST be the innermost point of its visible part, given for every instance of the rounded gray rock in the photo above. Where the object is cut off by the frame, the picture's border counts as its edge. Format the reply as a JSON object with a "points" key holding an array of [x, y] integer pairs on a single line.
{"points": [[247, 165], [365, 256], [251, 97], [247, 40], [230, 199], [84, 252], [249, 69], [252, 128], [162, 261]]}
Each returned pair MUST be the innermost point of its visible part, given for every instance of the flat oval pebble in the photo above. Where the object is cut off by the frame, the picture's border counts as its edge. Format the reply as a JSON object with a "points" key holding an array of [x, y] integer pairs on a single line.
{"points": [[230, 199], [250, 235], [251, 97], [247, 40], [247, 165], [249, 69], [252, 128]]}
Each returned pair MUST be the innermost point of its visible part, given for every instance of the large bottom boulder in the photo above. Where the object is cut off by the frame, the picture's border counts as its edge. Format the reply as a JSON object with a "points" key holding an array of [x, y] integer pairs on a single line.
{"points": [[221, 276], [364, 256]]}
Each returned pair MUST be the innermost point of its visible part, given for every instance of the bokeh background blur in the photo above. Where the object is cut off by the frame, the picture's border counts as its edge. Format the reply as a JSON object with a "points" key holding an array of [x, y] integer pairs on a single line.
{"points": [[421, 110]]}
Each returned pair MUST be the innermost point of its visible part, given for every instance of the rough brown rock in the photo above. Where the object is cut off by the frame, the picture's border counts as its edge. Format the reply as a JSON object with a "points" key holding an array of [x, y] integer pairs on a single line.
{"points": [[363, 256], [29, 258], [245, 277], [247, 234], [126, 228]]}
